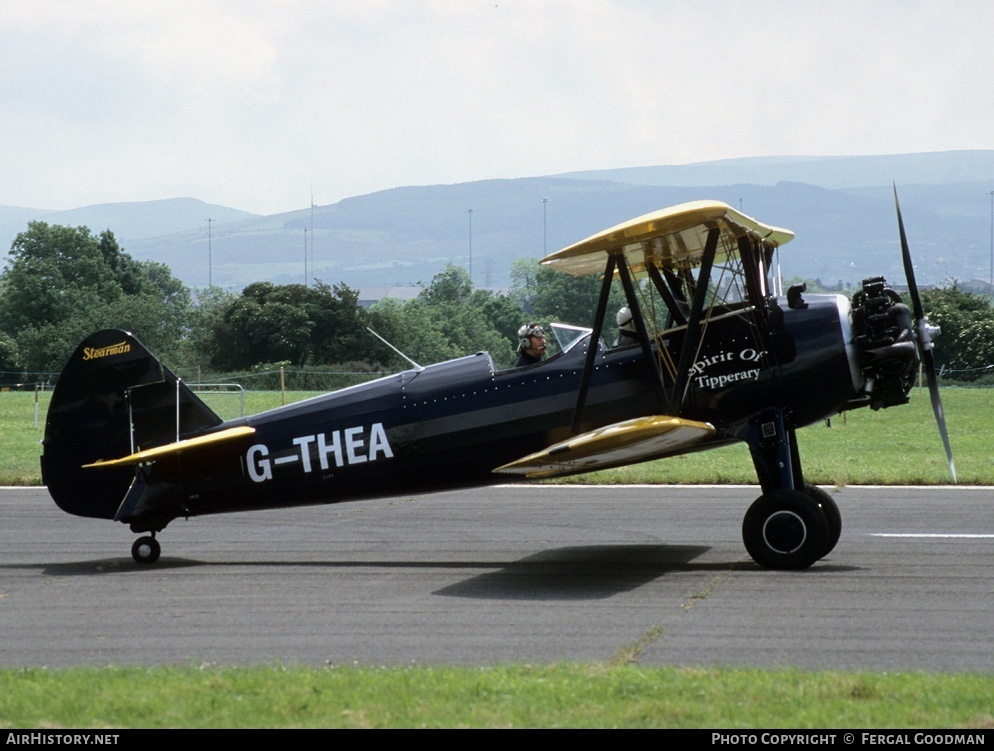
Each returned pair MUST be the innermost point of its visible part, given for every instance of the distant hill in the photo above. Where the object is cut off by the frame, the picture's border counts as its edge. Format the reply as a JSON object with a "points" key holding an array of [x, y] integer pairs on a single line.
{"points": [[840, 208], [128, 221], [933, 168]]}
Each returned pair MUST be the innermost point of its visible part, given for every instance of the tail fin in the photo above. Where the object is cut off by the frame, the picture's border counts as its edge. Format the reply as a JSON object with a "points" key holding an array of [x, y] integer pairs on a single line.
{"points": [[112, 399]]}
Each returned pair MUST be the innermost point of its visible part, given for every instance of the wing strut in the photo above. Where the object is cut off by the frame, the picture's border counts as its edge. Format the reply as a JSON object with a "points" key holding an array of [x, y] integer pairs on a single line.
{"points": [[690, 339], [595, 335], [616, 262], [643, 333], [753, 260], [672, 304]]}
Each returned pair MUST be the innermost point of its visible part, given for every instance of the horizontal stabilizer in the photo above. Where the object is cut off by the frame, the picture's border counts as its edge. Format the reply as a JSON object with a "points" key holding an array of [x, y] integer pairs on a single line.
{"points": [[620, 443], [174, 448]]}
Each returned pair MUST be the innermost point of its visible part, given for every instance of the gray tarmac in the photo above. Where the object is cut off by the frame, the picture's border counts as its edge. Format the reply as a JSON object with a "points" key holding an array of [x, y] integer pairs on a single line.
{"points": [[511, 574]]}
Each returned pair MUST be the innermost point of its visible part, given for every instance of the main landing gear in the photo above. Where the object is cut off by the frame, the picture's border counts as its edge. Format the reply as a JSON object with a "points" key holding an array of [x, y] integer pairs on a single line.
{"points": [[797, 523], [791, 529], [146, 549]]}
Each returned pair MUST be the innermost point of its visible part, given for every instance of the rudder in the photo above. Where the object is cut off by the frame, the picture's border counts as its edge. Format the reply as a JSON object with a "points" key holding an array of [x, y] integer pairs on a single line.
{"points": [[112, 398]]}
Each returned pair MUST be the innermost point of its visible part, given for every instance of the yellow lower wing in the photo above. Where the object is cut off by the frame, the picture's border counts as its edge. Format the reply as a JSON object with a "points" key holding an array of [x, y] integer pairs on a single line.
{"points": [[174, 448], [619, 443]]}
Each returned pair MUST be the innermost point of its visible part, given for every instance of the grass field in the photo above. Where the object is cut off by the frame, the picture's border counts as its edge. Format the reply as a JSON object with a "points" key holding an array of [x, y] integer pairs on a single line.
{"points": [[504, 696], [22, 425], [896, 446]]}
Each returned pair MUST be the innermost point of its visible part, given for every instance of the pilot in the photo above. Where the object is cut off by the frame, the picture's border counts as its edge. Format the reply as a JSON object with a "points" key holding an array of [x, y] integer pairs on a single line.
{"points": [[626, 328], [531, 344]]}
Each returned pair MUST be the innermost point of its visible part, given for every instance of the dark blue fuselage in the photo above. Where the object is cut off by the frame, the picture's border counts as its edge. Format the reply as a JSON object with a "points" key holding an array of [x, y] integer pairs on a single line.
{"points": [[450, 425], [445, 426]]}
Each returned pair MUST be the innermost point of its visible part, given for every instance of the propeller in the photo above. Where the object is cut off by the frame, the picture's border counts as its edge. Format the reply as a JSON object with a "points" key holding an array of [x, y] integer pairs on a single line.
{"points": [[923, 334]]}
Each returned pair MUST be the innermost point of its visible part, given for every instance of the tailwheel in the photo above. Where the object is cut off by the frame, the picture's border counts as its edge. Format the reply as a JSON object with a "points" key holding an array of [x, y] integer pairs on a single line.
{"points": [[785, 529], [146, 550], [832, 514]]}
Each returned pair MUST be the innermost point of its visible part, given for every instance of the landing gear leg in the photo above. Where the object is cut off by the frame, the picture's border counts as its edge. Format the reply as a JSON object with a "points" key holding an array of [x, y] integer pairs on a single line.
{"points": [[793, 524], [146, 550]]}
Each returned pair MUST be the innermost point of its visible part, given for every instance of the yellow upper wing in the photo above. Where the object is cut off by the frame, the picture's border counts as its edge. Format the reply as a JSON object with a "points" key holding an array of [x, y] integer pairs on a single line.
{"points": [[673, 238]]}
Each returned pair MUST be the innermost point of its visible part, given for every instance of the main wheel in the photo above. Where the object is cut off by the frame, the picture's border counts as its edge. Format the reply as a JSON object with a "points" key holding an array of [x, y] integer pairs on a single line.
{"points": [[832, 514], [146, 550], [785, 529]]}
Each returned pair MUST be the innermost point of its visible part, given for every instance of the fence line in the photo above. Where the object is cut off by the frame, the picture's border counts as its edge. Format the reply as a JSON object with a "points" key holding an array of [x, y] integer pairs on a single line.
{"points": [[270, 380]]}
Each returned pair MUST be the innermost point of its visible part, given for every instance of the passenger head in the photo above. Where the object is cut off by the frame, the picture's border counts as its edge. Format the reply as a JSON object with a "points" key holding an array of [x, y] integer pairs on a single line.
{"points": [[625, 319]]}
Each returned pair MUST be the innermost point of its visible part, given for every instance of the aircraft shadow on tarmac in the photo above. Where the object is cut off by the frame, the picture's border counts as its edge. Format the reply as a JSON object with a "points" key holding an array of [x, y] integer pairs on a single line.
{"points": [[577, 573], [582, 568], [601, 571], [569, 573]]}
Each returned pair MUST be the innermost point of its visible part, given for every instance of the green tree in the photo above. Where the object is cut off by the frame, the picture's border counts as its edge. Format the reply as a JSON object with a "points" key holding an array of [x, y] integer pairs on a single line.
{"points": [[340, 326], [206, 327], [450, 286], [269, 323], [966, 343], [262, 325], [551, 295], [8, 355], [414, 329], [62, 282], [450, 319]]}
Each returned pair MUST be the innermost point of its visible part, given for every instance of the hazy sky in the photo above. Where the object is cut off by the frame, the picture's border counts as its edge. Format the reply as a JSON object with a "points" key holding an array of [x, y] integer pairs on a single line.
{"points": [[252, 104]]}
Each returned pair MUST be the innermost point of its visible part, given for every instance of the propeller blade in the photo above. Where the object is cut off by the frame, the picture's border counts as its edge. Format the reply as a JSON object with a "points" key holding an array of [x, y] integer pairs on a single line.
{"points": [[923, 335], [940, 416], [909, 268]]}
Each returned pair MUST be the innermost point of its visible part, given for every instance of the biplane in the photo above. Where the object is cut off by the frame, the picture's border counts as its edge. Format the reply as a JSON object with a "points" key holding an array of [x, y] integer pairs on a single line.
{"points": [[719, 356]]}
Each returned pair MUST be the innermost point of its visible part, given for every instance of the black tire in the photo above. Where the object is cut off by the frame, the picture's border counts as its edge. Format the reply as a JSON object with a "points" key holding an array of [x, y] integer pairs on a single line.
{"points": [[146, 550], [785, 529], [832, 514]]}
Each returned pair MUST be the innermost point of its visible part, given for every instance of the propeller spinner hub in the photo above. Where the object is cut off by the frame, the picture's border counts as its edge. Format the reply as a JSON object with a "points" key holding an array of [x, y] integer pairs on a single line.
{"points": [[926, 332]]}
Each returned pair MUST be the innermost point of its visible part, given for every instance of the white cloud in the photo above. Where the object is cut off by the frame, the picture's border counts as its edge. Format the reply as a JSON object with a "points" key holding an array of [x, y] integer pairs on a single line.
{"points": [[250, 103]]}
